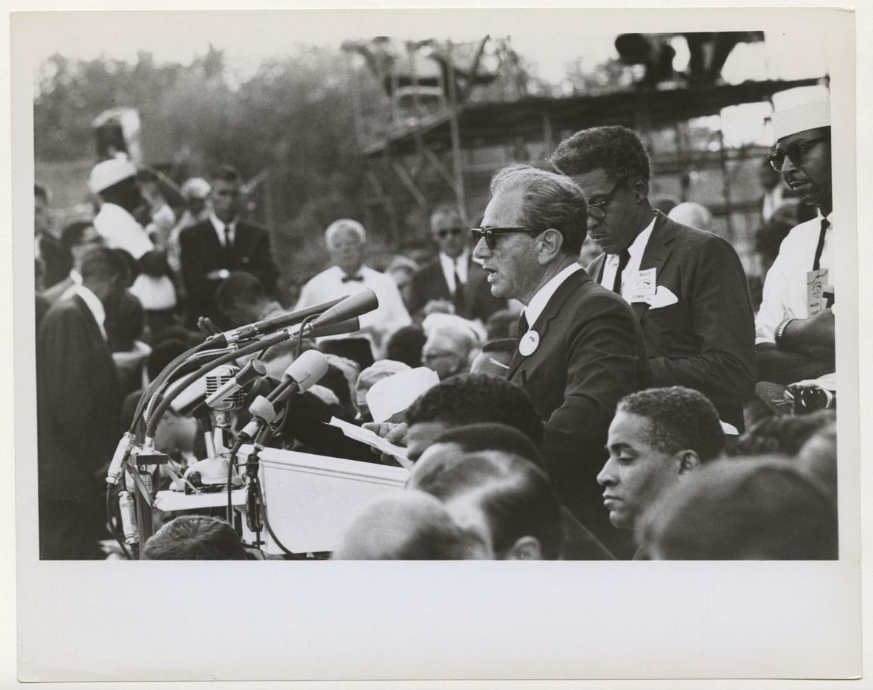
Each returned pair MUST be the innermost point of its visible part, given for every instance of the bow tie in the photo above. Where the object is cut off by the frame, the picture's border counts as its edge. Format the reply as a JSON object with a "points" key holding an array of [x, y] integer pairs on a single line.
{"points": [[357, 278]]}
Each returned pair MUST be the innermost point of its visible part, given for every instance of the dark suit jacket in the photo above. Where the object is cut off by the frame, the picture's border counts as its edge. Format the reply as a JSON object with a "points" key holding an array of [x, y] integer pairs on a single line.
{"points": [[590, 355], [429, 283], [201, 253], [79, 403], [706, 341]]}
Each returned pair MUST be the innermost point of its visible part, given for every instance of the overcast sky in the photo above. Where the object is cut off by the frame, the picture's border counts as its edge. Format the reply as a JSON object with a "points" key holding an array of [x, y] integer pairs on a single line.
{"points": [[548, 38]]}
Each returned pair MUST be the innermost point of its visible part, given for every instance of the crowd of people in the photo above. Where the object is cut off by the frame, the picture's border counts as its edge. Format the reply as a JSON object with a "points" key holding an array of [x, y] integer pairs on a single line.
{"points": [[553, 405]]}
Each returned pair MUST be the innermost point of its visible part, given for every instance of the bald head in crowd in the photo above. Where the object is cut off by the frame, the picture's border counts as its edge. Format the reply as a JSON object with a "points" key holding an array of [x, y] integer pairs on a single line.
{"points": [[410, 526], [658, 438]]}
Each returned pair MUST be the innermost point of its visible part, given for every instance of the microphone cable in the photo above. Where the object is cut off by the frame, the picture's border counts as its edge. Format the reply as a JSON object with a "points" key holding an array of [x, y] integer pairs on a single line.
{"points": [[112, 527]]}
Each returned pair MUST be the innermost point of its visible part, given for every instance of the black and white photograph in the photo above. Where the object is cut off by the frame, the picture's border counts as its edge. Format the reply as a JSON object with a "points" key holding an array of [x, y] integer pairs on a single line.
{"points": [[317, 287]]}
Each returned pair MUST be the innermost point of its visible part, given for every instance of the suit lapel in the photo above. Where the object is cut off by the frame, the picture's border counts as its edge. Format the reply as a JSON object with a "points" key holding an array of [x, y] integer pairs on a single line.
{"points": [[553, 308]]}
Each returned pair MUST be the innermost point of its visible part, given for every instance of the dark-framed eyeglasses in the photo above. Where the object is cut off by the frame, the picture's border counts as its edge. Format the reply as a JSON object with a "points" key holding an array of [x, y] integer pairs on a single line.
{"points": [[794, 152], [598, 210], [446, 232], [490, 234]]}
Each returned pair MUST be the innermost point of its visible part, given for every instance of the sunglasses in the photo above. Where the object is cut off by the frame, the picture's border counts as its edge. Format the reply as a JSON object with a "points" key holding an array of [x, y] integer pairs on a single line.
{"points": [[794, 153], [490, 234], [598, 211], [446, 232]]}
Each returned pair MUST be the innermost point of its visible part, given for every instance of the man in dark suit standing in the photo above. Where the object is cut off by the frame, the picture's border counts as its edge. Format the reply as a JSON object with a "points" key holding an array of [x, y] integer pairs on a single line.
{"points": [[221, 244], [580, 349], [453, 276], [686, 286], [79, 403]]}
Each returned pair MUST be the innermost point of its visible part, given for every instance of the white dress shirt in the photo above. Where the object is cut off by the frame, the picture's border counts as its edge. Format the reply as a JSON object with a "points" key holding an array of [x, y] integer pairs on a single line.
{"points": [[785, 285], [539, 301], [636, 251], [375, 326], [450, 265], [220, 225], [92, 301]]}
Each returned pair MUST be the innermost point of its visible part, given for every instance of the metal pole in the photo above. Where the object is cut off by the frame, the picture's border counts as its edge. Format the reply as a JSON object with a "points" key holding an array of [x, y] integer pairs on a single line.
{"points": [[457, 162]]}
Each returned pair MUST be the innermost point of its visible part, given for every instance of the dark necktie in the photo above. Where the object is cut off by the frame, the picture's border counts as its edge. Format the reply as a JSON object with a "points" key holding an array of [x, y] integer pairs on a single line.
{"points": [[623, 258], [816, 263], [458, 297], [228, 246], [357, 278], [523, 326]]}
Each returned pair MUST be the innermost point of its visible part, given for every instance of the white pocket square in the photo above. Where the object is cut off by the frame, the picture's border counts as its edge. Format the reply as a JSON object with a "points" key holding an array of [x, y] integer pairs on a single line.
{"points": [[662, 298]]}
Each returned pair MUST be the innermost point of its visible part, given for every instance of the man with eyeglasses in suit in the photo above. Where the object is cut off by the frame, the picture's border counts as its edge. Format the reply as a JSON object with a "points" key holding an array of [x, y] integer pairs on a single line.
{"points": [[580, 348], [795, 325], [453, 277], [686, 286]]}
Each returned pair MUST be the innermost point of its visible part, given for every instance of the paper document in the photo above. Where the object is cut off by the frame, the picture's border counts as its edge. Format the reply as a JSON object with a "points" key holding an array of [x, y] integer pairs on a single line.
{"points": [[372, 439]]}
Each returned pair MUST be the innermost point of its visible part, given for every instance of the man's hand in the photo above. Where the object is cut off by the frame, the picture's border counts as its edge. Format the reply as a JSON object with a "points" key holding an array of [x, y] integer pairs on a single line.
{"points": [[813, 337], [394, 433]]}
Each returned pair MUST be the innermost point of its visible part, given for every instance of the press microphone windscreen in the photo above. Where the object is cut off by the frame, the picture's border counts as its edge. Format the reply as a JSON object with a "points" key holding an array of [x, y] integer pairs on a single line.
{"points": [[308, 369], [355, 305]]}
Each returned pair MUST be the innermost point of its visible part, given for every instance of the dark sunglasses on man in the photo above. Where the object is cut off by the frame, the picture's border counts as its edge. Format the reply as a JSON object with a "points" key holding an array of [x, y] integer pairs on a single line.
{"points": [[490, 234], [794, 153], [446, 232]]}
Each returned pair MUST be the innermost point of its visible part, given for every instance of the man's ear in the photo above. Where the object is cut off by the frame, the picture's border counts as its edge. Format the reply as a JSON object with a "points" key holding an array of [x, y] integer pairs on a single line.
{"points": [[640, 187], [525, 549], [549, 246], [689, 462]]}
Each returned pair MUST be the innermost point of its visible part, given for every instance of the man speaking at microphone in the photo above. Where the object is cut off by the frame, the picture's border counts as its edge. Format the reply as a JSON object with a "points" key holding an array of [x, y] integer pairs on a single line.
{"points": [[345, 241], [580, 347]]}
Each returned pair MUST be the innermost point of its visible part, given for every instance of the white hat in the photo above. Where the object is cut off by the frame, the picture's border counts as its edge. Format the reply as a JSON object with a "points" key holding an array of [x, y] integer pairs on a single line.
{"points": [[439, 321], [109, 173], [395, 393], [800, 118]]}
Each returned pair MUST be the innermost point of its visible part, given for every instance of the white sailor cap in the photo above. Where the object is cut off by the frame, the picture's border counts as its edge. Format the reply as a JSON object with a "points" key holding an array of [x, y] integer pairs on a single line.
{"points": [[110, 172], [800, 118]]}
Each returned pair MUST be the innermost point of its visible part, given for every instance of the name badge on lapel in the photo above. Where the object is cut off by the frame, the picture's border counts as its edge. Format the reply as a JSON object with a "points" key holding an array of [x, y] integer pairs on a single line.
{"points": [[529, 343], [644, 286]]}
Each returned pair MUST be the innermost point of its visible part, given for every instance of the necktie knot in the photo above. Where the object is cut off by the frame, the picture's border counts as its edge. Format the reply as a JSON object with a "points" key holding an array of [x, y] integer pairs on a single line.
{"points": [[357, 278], [523, 325]]}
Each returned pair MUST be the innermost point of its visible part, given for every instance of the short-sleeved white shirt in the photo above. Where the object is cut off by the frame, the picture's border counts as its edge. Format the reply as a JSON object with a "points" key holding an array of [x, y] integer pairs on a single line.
{"points": [[785, 286]]}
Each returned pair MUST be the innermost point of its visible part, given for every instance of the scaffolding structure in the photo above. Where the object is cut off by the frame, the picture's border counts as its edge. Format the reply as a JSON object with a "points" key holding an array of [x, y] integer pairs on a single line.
{"points": [[449, 153]]}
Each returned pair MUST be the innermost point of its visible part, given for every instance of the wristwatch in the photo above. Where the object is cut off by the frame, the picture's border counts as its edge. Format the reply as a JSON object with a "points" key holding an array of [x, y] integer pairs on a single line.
{"points": [[780, 329]]}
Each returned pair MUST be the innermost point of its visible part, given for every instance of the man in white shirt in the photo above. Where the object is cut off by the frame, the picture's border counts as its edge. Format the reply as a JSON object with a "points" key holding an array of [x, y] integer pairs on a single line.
{"points": [[345, 241], [795, 325], [115, 182], [686, 286], [580, 348]]}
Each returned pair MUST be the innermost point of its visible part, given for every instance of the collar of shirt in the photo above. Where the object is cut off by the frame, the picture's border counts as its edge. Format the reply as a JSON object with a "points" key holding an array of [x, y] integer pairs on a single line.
{"points": [[541, 299], [450, 265], [95, 306], [220, 225], [636, 250]]}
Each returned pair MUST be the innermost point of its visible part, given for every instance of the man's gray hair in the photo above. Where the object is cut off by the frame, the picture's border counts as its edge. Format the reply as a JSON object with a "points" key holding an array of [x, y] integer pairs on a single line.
{"points": [[549, 201], [341, 225]]}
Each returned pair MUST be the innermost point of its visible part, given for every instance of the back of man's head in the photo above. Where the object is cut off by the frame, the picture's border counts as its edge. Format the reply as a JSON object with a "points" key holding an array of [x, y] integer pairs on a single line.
{"points": [[474, 399], [679, 419], [195, 538], [476, 438], [507, 493], [784, 435], [615, 149], [742, 509], [240, 290], [409, 525], [102, 265]]}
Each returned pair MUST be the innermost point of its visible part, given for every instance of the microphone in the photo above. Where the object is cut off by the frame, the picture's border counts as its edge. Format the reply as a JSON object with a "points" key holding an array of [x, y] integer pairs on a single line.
{"points": [[253, 330], [355, 305], [303, 373], [225, 388], [347, 326]]}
